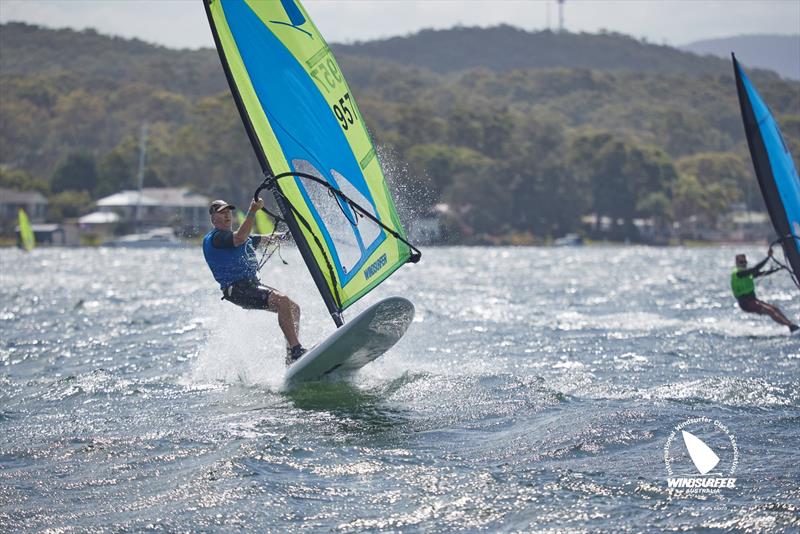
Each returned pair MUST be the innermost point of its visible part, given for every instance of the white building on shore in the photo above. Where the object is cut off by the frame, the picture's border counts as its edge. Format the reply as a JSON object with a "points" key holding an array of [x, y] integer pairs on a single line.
{"points": [[152, 207]]}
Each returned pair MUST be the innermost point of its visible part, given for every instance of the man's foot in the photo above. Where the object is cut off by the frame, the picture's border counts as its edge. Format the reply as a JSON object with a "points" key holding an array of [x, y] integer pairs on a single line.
{"points": [[294, 354]]}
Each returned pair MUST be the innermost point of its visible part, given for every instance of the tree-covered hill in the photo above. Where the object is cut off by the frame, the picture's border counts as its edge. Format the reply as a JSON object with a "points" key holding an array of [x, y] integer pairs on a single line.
{"points": [[525, 141], [103, 61], [504, 48]]}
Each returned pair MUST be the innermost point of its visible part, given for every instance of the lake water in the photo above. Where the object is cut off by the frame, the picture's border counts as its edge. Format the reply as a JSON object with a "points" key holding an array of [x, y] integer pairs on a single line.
{"points": [[537, 389]]}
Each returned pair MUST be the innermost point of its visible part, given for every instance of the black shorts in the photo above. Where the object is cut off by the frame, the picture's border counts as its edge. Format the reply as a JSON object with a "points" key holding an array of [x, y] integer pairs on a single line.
{"points": [[750, 303], [248, 294]]}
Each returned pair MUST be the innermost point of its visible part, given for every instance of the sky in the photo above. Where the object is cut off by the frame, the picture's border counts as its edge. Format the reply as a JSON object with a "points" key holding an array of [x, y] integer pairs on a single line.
{"points": [[183, 24]]}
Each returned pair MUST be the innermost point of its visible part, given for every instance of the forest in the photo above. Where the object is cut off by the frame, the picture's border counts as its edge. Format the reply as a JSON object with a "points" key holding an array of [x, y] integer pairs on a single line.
{"points": [[520, 134]]}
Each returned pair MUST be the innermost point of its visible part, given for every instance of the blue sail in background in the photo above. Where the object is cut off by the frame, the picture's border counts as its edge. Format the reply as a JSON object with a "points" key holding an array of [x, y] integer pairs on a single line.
{"points": [[777, 175]]}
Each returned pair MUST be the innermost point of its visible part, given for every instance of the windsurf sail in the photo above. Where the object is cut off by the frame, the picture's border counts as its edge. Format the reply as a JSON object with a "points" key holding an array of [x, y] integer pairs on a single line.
{"points": [[775, 170], [26, 236], [264, 224], [313, 146]]}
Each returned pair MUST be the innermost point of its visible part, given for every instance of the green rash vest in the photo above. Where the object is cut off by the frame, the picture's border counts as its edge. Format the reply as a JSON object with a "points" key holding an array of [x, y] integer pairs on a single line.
{"points": [[742, 285]]}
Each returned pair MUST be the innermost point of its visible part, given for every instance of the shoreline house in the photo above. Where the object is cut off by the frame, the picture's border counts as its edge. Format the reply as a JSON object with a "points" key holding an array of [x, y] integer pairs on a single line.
{"points": [[35, 206], [749, 226], [11, 200], [154, 207]]}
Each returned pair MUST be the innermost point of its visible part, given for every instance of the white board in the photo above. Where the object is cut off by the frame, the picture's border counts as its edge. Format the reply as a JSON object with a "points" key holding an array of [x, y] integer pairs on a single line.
{"points": [[358, 342]]}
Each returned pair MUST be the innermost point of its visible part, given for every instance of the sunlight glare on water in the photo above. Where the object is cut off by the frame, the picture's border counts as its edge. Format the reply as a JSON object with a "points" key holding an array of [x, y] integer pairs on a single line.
{"points": [[535, 390]]}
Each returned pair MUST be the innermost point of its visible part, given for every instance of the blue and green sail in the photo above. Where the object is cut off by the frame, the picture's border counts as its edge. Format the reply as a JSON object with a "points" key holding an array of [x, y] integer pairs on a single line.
{"points": [[26, 237], [775, 170], [303, 121]]}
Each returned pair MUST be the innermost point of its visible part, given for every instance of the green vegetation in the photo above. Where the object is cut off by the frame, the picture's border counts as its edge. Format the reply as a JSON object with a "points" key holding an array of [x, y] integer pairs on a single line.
{"points": [[521, 134]]}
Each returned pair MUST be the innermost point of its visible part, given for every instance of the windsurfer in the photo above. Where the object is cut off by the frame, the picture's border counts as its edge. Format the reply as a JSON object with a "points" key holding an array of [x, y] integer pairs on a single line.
{"points": [[231, 257], [743, 287]]}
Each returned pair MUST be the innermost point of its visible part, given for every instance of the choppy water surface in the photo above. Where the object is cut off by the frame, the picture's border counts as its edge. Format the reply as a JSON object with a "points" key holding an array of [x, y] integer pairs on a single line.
{"points": [[536, 390]]}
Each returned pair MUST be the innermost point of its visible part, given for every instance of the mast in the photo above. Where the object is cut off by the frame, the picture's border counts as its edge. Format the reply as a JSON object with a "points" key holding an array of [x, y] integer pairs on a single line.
{"points": [[140, 172]]}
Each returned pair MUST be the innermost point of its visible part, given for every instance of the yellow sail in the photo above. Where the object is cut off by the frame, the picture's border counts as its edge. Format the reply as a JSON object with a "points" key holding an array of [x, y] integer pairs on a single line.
{"points": [[26, 236], [264, 223]]}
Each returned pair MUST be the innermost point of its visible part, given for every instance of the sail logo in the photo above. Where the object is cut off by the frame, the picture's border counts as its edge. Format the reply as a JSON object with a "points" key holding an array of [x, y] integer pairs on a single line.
{"points": [[694, 465], [703, 457], [379, 264], [296, 17]]}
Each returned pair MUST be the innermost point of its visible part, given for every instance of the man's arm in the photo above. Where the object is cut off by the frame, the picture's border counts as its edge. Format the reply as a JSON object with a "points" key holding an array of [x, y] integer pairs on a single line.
{"points": [[754, 271], [224, 239], [766, 273], [243, 232]]}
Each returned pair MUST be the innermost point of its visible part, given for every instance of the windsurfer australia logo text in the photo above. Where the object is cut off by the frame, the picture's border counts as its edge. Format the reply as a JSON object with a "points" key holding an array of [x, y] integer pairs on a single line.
{"points": [[701, 456]]}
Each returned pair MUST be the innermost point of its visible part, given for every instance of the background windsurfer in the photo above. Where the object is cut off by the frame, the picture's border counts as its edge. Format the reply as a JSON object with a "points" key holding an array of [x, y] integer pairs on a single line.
{"points": [[231, 257], [743, 287]]}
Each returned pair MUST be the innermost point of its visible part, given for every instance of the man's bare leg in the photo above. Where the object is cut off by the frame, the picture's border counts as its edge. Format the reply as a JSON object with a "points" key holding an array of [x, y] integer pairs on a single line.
{"points": [[288, 316], [775, 313]]}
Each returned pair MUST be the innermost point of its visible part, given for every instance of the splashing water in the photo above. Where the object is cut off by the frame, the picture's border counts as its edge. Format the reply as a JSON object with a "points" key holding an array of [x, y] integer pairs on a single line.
{"points": [[535, 390]]}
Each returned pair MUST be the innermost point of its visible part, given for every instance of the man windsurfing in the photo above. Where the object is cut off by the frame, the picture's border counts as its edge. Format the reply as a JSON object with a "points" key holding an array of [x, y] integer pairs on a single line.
{"points": [[232, 259], [743, 287]]}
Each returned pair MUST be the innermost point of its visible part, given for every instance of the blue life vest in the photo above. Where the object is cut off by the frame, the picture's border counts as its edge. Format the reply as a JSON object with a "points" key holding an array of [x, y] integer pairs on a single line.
{"points": [[229, 265]]}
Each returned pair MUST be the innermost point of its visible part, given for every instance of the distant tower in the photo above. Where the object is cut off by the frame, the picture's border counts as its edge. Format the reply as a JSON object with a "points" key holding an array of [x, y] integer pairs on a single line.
{"points": [[547, 13], [561, 16]]}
